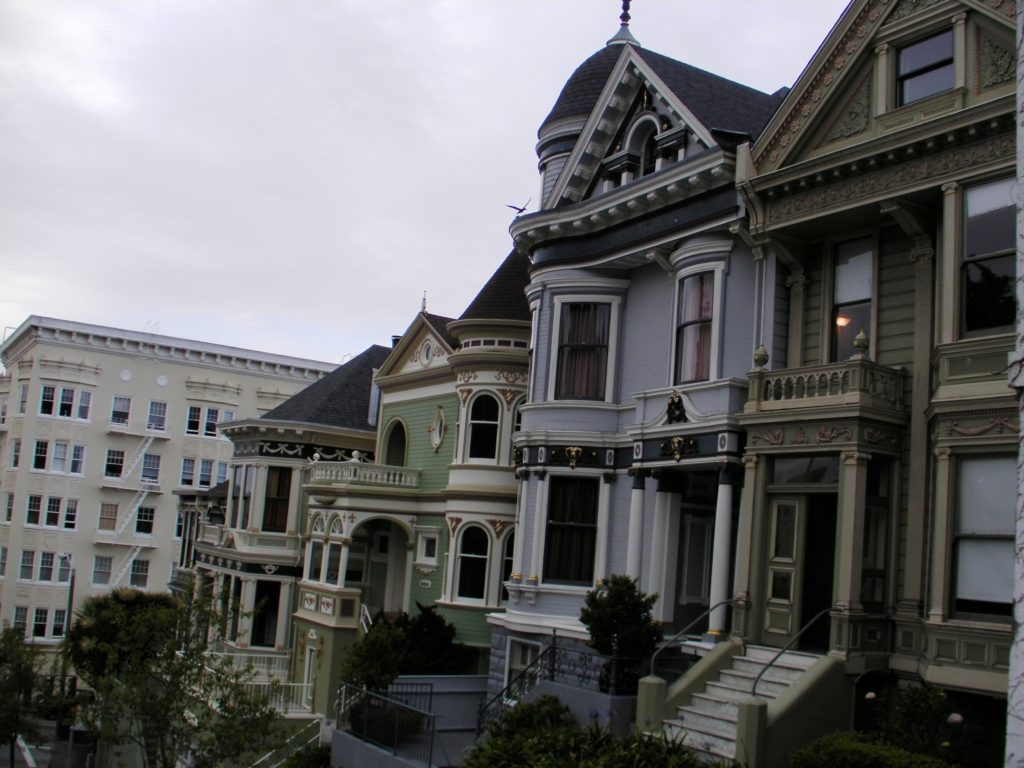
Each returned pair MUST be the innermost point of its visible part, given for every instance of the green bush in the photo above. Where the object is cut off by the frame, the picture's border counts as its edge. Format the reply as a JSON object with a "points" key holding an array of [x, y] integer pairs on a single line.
{"points": [[850, 750], [318, 756]]}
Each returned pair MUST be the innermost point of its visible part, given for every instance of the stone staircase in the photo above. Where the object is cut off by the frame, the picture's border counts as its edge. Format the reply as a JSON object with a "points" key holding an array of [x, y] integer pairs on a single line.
{"points": [[708, 723]]}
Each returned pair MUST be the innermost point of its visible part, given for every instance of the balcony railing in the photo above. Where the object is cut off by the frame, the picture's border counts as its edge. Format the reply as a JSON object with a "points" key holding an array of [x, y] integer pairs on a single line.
{"points": [[855, 382], [265, 666], [349, 473], [286, 698]]}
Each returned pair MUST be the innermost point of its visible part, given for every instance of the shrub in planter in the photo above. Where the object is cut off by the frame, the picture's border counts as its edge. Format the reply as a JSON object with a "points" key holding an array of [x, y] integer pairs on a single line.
{"points": [[846, 749], [618, 617]]}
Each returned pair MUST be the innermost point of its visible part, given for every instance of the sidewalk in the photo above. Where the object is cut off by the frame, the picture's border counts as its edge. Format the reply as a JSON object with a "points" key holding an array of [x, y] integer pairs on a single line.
{"points": [[34, 755]]}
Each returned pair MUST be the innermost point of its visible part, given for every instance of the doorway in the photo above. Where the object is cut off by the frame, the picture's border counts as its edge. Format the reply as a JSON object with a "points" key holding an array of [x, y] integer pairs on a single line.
{"points": [[819, 556]]}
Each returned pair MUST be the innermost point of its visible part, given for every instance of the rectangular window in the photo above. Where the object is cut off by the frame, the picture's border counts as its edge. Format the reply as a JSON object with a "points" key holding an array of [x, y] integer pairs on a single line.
{"points": [[28, 564], [9, 508], [275, 502], [23, 398], [108, 516], [3, 561], [582, 351], [20, 618], [210, 425], [60, 457], [157, 416], [46, 566], [114, 464], [140, 574], [852, 282], [986, 503], [150, 468], [144, 520], [71, 513], [77, 459], [571, 534], [989, 258], [179, 525], [205, 472], [3, 413], [52, 511], [120, 410], [924, 68], [46, 400], [188, 471], [15, 452], [33, 510], [41, 619], [39, 459], [59, 619], [64, 568], [101, 566], [693, 330], [222, 472], [84, 401], [67, 402], [195, 414]]}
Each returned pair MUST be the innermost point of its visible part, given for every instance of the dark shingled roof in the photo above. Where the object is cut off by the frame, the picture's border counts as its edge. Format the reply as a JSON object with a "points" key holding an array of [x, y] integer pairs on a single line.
{"points": [[716, 101], [340, 399], [440, 325], [503, 297]]}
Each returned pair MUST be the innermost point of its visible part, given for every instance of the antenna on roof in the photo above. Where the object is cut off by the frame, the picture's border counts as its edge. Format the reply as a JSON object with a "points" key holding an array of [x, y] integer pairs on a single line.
{"points": [[423, 304], [624, 36]]}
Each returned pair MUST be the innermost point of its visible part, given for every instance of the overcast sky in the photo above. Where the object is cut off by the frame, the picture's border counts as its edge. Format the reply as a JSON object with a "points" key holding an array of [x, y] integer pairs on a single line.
{"points": [[292, 175]]}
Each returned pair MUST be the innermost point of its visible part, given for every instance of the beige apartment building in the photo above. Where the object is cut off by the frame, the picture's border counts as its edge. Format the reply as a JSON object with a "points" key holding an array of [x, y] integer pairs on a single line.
{"points": [[101, 430]]}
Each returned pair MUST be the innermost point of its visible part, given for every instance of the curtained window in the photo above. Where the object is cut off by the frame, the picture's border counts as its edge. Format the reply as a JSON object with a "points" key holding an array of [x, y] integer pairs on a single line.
{"points": [[693, 331], [989, 258], [571, 534], [582, 352]]}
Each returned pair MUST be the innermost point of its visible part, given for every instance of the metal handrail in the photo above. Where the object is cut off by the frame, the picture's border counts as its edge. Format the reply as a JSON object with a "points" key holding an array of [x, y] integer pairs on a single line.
{"points": [[686, 629], [786, 647]]}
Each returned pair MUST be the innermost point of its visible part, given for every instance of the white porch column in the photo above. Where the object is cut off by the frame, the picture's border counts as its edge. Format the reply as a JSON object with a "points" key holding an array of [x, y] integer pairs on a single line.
{"points": [[246, 602], [540, 518], [720, 563], [657, 577], [346, 545], [284, 615], [634, 551]]}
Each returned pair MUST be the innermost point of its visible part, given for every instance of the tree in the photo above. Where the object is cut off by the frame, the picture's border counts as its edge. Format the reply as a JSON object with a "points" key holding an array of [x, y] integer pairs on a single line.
{"points": [[618, 617], [156, 687], [19, 681]]}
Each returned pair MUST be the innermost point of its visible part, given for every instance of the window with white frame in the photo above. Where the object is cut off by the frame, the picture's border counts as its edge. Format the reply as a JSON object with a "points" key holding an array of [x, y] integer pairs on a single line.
{"points": [[3, 561], [84, 402], [144, 518], [222, 472], [9, 508], [120, 410], [15, 452], [394, 454], [59, 462], [47, 400], [108, 516], [989, 258], [426, 550], [210, 423], [20, 618], [28, 564], [315, 561], [852, 289], [484, 416], [986, 494], [179, 524], [583, 345], [275, 499], [40, 621], [924, 68], [570, 544], [33, 509], [114, 464], [66, 407], [61, 402], [151, 468], [694, 327], [39, 458], [71, 513], [77, 459], [521, 654], [205, 472], [188, 470], [59, 620], [157, 420], [102, 565], [52, 518], [22, 398], [63, 568], [139, 577], [472, 552], [46, 561], [508, 555], [203, 420]]}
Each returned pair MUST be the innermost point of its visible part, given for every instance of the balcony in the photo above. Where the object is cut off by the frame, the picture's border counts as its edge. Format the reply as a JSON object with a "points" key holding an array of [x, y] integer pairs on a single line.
{"points": [[856, 383], [347, 474]]}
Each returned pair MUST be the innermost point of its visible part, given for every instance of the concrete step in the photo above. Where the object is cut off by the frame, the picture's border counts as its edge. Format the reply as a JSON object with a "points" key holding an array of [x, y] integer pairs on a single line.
{"points": [[723, 690], [778, 671], [699, 720], [744, 681], [714, 705], [717, 747], [765, 654]]}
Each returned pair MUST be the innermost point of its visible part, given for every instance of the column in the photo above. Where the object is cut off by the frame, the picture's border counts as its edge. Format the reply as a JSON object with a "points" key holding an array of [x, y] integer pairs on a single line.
{"points": [[942, 517], [850, 534], [720, 565], [540, 514], [246, 602], [520, 532], [284, 615], [635, 546], [884, 78], [346, 545], [664, 503]]}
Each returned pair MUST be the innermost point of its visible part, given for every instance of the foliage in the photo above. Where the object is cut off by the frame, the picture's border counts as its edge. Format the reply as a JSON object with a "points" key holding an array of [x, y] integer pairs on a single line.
{"points": [[156, 689], [317, 756], [618, 616], [544, 734], [19, 682], [850, 750], [418, 645]]}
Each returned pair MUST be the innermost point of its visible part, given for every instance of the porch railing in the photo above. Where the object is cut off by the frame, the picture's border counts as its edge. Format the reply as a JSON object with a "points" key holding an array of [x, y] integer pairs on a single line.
{"points": [[857, 381], [264, 665], [358, 473], [285, 698], [387, 722]]}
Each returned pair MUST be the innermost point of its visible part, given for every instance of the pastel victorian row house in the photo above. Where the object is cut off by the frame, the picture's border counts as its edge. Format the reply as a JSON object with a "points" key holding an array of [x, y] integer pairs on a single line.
{"points": [[768, 357], [384, 486]]}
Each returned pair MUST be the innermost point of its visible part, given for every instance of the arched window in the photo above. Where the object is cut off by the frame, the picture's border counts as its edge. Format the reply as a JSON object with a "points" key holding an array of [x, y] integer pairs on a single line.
{"points": [[483, 428], [394, 454], [472, 563], [506, 563]]}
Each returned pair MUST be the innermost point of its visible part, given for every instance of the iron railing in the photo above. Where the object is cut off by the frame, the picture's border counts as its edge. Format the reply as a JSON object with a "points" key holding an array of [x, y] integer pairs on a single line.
{"points": [[387, 722], [786, 647], [305, 737]]}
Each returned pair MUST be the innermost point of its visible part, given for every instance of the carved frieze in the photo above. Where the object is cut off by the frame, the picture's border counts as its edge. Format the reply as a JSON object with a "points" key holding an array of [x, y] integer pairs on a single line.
{"points": [[997, 64], [830, 434], [855, 114], [767, 437]]}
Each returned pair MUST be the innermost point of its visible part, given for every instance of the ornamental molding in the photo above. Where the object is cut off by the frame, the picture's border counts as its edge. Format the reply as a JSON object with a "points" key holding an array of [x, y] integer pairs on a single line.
{"points": [[465, 377], [453, 524], [890, 181], [880, 437], [997, 64], [510, 376], [854, 116], [999, 425], [768, 437], [464, 393], [830, 434], [509, 395], [498, 525]]}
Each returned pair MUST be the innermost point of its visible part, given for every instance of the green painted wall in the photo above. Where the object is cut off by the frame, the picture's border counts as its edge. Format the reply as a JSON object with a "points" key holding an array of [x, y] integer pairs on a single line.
{"points": [[417, 416], [330, 644], [812, 313]]}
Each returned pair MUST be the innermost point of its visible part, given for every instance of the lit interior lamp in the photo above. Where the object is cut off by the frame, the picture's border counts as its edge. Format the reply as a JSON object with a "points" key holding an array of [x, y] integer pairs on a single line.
{"points": [[842, 322]]}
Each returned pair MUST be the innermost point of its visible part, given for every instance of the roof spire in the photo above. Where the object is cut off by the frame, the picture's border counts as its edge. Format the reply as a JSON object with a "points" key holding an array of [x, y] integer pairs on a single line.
{"points": [[423, 303], [624, 36]]}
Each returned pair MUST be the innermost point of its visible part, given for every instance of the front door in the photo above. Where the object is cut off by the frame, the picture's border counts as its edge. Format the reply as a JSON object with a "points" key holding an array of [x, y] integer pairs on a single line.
{"points": [[800, 573]]}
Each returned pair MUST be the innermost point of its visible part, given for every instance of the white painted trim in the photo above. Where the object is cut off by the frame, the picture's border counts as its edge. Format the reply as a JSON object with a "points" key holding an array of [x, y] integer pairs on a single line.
{"points": [[615, 304]]}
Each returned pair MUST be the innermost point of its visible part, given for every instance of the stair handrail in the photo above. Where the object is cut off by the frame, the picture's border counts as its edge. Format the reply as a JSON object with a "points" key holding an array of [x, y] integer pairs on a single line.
{"points": [[544, 662], [786, 647], [686, 629]]}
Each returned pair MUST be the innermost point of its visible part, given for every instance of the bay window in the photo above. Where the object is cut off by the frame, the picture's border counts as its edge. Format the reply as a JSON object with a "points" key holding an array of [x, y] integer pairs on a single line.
{"points": [[693, 328], [989, 258], [583, 336], [571, 532]]}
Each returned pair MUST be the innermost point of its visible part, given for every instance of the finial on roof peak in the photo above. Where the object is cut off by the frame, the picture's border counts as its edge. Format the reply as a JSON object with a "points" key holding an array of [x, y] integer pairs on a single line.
{"points": [[624, 36], [423, 303]]}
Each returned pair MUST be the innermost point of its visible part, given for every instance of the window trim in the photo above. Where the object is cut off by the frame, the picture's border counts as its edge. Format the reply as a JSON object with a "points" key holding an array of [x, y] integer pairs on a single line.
{"points": [[615, 306], [828, 293], [933, 66], [498, 424], [962, 260], [487, 558], [717, 268]]}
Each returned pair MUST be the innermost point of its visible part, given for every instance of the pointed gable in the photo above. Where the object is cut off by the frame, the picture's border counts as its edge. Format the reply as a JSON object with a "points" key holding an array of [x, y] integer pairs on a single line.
{"points": [[425, 345]]}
